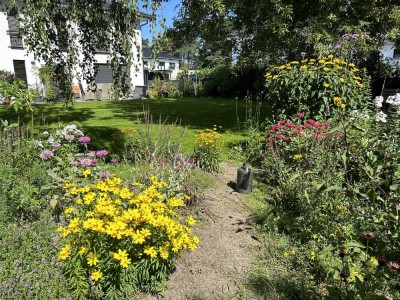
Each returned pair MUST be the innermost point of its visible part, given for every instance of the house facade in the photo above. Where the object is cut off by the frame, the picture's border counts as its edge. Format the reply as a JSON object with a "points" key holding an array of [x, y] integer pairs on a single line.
{"points": [[164, 66], [390, 52], [16, 58]]}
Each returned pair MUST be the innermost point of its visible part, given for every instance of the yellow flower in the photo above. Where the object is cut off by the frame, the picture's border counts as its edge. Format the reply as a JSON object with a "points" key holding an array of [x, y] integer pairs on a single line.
{"points": [[298, 156], [322, 61], [64, 252], [86, 172], [96, 275], [275, 77], [327, 85], [150, 251], [190, 220], [330, 56], [82, 250], [326, 69], [312, 256], [341, 80], [285, 254], [343, 105], [69, 210], [303, 68], [294, 62], [92, 259], [293, 251]]}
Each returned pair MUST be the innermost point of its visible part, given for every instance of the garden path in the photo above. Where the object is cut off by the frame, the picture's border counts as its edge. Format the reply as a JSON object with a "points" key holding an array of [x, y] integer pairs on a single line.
{"points": [[226, 245]]}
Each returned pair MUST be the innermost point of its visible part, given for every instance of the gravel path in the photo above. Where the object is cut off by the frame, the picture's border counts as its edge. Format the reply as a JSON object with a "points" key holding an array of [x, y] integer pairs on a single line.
{"points": [[226, 244]]}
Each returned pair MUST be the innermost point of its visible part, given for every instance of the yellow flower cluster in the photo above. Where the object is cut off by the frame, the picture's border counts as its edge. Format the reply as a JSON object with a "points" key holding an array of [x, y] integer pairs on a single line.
{"points": [[109, 221], [313, 65], [339, 102], [208, 137]]}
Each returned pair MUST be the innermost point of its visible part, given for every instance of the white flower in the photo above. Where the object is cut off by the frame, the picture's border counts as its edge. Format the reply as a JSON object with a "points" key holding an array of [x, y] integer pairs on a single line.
{"points": [[50, 140], [381, 117], [38, 144], [46, 132], [394, 100], [378, 101]]}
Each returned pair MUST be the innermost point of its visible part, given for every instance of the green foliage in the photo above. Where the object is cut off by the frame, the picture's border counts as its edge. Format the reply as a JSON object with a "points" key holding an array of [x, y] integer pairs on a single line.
{"points": [[21, 96], [163, 88], [208, 149], [79, 29], [7, 76], [317, 87], [28, 263]]}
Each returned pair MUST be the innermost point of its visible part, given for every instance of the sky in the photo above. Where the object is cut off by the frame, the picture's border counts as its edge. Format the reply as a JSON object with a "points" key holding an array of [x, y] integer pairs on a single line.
{"points": [[169, 11]]}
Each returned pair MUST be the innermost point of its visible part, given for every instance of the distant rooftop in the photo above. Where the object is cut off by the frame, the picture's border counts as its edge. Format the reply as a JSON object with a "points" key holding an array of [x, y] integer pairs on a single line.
{"points": [[147, 53]]}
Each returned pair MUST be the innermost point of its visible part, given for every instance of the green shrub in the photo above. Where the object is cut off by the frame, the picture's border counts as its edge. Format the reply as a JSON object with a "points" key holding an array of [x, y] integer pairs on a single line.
{"points": [[208, 150], [28, 261], [317, 87], [119, 241]]}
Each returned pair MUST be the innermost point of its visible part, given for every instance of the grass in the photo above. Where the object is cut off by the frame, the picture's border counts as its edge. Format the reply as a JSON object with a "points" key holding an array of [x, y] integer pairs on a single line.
{"points": [[101, 119]]}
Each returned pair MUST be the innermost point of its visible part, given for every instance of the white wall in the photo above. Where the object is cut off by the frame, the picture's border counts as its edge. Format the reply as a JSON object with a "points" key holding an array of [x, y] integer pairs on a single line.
{"points": [[387, 52], [153, 65], [7, 55]]}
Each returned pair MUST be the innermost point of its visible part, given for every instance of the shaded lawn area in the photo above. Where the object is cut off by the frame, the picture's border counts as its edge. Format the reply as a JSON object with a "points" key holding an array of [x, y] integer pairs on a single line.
{"points": [[102, 119]]}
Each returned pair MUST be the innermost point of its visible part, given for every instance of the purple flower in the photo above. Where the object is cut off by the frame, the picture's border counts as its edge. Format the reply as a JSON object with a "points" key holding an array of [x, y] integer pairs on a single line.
{"points": [[69, 137], [91, 153], [74, 163], [338, 47], [346, 36], [45, 154], [104, 175], [56, 145], [84, 139], [101, 153], [114, 161], [86, 162], [355, 36], [303, 53]]}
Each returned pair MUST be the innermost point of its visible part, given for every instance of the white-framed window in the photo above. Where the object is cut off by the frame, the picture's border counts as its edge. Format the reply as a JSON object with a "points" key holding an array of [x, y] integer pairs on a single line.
{"points": [[172, 66], [161, 65]]}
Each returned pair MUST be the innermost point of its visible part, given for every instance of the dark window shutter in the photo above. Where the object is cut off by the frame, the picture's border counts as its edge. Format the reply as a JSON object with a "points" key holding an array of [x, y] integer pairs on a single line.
{"points": [[12, 23], [104, 74], [20, 70], [396, 54]]}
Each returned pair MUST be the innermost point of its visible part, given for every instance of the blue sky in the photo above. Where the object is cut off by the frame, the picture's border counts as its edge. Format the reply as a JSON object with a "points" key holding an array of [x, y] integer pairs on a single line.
{"points": [[169, 11]]}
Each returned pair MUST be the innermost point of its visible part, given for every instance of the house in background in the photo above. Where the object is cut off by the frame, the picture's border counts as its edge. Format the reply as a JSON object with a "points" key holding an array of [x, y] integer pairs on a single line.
{"points": [[391, 54], [16, 58], [164, 66]]}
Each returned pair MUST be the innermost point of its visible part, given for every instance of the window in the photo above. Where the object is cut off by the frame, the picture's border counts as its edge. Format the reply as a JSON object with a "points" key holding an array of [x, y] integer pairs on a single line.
{"points": [[161, 65], [172, 66], [145, 64], [20, 70], [396, 54], [13, 31], [104, 74]]}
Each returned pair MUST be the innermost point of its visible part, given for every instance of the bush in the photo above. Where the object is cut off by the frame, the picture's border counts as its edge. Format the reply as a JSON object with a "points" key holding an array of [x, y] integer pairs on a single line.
{"points": [[124, 241], [317, 87], [208, 150]]}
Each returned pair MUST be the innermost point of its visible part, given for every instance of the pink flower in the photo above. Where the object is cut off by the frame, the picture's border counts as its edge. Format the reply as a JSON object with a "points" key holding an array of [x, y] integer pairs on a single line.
{"points": [[286, 138], [102, 153], [45, 154], [296, 131], [56, 145], [281, 122], [272, 130], [306, 125], [369, 235], [267, 137], [393, 266], [84, 139], [290, 125], [114, 161], [279, 136], [339, 134], [280, 127], [69, 137], [104, 175], [300, 115]]}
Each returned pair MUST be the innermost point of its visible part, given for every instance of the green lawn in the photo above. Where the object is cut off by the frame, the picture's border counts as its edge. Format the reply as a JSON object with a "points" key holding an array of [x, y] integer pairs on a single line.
{"points": [[101, 119]]}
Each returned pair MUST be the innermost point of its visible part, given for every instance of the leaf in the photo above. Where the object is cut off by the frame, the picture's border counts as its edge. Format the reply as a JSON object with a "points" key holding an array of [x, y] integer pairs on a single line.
{"points": [[333, 188], [53, 203], [355, 245], [295, 176]]}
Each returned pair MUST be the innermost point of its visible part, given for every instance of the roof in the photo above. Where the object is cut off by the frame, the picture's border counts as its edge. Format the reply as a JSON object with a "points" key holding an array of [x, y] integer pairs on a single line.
{"points": [[147, 53]]}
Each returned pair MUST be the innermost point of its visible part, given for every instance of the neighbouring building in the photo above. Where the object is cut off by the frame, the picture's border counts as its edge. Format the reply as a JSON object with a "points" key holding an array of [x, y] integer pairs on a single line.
{"points": [[164, 66], [391, 53], [16, 58]]}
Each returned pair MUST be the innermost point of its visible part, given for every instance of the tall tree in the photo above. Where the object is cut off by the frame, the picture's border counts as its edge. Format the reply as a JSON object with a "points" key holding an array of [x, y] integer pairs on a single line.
{"points": [[268, 29]]}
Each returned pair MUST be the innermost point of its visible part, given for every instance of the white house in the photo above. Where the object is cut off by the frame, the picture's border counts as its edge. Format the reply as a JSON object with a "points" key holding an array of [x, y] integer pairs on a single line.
{"points": [[16, 58], [164, 66], [392, 53]]}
